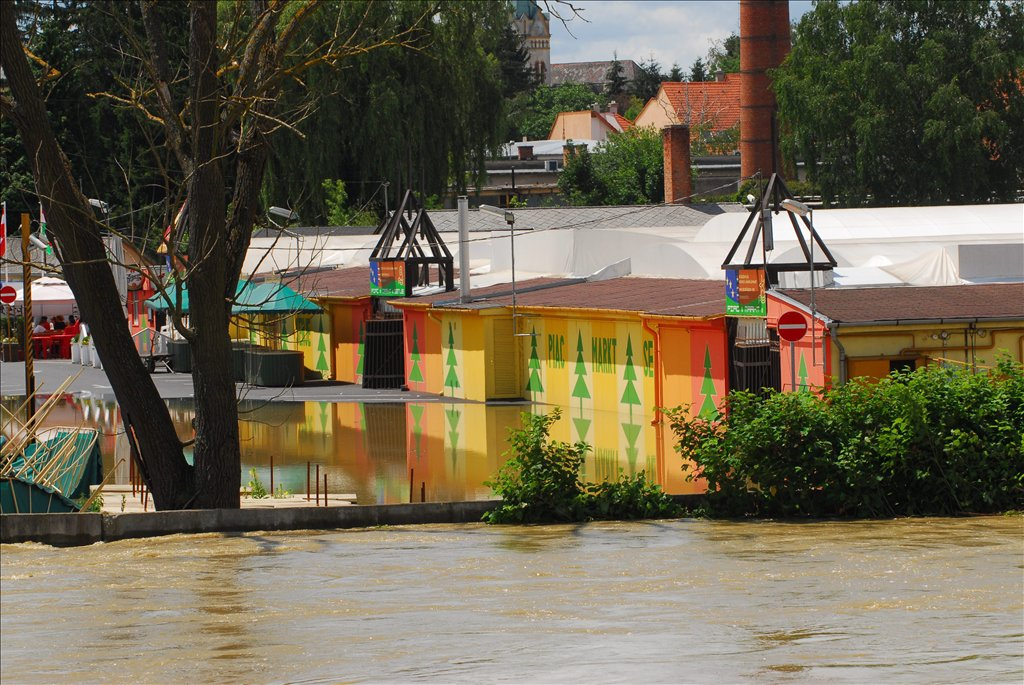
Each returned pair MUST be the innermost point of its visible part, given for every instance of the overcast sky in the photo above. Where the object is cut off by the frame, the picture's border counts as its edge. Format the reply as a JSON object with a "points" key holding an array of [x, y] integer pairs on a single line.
{"points": [[673, 32]]}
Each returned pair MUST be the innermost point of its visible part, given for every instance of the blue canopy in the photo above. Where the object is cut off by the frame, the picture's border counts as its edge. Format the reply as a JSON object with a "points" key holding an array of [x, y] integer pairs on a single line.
{"points": [[250, 298]]}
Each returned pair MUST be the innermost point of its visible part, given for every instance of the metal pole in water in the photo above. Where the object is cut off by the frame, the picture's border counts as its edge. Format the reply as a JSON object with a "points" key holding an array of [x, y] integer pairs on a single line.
{"points": [[325, 488], [318, 485]]}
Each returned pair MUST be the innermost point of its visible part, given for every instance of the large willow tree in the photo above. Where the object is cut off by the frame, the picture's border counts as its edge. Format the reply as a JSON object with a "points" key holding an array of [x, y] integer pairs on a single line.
{"points": [[419, 118], [908, 102], [215, 100]]}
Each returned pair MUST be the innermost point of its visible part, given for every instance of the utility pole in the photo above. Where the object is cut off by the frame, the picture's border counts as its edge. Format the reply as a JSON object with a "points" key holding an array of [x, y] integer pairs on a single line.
{"points": [[26, 286]]}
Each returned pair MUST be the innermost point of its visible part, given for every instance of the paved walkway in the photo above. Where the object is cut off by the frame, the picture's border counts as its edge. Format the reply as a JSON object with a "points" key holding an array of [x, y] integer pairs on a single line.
{"points": [[50, 373]]}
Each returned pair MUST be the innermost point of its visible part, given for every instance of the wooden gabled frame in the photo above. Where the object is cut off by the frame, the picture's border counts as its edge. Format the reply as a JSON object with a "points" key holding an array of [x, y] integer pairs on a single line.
{"points": [[771, 201], [407, 236]]}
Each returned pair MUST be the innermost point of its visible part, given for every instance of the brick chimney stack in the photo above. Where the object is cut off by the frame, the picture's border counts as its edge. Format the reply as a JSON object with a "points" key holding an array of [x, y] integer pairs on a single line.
{"points": [[675, 141], [764, 43]]}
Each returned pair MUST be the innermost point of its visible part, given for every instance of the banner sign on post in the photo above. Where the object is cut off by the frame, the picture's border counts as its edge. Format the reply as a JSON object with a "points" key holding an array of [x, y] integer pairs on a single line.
{"points": [[744, 293], [387, 278]]}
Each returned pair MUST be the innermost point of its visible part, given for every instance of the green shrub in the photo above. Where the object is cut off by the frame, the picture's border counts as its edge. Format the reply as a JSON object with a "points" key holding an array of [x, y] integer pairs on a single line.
{"points": [[934, 441], [540, 483], [257, 490]]}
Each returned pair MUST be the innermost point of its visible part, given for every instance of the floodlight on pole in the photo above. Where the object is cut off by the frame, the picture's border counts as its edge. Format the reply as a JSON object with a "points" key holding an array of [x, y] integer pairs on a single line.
{"points": [[800, 209], [287, 216], [510, 218]]}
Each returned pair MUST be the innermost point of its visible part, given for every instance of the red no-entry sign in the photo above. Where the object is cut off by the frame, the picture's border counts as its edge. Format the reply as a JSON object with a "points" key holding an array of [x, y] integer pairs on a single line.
{"points": [[8, 294], [792, 326]]}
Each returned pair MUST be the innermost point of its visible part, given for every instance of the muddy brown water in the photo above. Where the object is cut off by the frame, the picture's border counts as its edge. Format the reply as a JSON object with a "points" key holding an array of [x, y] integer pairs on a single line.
{"points": [[910, 601]]}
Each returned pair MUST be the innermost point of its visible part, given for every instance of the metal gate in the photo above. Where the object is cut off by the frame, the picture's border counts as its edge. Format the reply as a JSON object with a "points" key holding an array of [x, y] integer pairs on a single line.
{"points": [[384, 361], [755, 363]]}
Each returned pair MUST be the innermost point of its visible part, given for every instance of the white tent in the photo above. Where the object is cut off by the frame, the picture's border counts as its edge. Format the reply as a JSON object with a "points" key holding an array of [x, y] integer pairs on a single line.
{"points": [[50, 297]]}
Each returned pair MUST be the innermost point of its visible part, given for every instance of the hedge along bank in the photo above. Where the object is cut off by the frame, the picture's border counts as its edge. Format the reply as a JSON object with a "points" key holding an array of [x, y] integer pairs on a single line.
{"points": [[935, 441]]}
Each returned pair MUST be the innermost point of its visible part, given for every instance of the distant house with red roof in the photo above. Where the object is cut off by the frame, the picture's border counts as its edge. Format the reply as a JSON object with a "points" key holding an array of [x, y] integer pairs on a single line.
{"points": [[710, 107], [590, 124]]}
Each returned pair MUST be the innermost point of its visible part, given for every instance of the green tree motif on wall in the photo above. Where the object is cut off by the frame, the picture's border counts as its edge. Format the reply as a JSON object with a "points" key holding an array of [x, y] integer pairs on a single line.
{"points": [[632, 432], [322, 365], [452, 379], [534, 385], [803, 372], [417, 428], [580, 390], [415, 374], [708, 410], [454, 414], [629, 395]]}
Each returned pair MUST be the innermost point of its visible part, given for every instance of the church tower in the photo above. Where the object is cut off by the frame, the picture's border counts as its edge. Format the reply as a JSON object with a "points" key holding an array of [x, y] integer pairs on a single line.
{"points": [[531, 25]]}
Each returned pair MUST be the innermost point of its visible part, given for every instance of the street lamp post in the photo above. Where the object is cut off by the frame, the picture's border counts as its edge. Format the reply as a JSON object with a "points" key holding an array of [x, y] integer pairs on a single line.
{"points": [[800, 209], [510, 218], [287, 216]]}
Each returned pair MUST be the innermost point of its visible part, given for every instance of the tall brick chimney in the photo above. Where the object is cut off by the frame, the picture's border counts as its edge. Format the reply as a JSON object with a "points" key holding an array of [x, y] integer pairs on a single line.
{"points": [[675, 141], [764, 43]]}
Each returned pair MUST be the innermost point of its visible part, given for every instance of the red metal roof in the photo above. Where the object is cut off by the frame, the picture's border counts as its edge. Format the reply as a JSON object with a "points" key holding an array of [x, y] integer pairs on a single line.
{"points": [[657, 296], [351, 282], [906, 303]]}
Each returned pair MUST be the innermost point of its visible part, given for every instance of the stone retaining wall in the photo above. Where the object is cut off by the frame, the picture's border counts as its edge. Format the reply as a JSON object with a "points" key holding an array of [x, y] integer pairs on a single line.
{"points": [[67, 530]]}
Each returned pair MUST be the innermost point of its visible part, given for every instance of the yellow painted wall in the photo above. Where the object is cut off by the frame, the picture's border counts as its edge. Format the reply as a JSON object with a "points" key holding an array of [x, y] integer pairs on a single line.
{"points": [[951, 343], [657, 113]]}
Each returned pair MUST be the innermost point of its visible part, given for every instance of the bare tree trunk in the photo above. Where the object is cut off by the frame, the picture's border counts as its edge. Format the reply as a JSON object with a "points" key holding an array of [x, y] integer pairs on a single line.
{"points": [[78, 238], [217, 456]]}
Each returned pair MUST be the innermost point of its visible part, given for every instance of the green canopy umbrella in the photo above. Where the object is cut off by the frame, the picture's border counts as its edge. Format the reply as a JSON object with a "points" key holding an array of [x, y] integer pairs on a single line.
{"points": [[250, 298]]}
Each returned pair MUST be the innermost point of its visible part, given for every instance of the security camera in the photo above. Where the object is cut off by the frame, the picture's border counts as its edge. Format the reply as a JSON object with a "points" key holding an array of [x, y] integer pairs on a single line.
{"points": [[751, 199]]}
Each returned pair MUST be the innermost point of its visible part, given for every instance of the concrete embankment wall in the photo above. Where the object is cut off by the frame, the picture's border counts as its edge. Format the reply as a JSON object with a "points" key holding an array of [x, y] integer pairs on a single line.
{"points": [[84, 529]]}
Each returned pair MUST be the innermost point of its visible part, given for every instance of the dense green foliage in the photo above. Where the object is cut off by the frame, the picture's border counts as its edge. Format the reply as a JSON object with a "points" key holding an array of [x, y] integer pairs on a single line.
{"points": [[627, 169], [699, 71], [907, 103], [934, 441], [84, 46], [647, 79], [532, 114], [723, 56], [422, 115], [339, 211], [540, 483], [615, 80]]}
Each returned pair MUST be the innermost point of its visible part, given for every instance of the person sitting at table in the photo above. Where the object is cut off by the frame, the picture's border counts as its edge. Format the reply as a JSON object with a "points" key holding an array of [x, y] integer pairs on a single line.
{"points": [[73, 326], [43, 327], [58, 323]]}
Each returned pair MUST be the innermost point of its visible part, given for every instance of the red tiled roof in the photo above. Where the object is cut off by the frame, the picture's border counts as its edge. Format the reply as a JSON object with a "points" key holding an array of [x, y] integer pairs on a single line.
{"points": [[717, 102], [658, 296], [624, 123], [907, 303]]}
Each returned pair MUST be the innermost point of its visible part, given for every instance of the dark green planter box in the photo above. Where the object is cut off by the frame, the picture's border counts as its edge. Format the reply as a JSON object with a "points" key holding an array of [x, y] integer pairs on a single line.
{"points": [[181, 356], [240, 357], [274, 368]]}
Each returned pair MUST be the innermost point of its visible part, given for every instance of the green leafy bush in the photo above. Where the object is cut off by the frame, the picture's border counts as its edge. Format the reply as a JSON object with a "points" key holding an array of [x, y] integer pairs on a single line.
{"points": [[540, 483], [934, 441]]}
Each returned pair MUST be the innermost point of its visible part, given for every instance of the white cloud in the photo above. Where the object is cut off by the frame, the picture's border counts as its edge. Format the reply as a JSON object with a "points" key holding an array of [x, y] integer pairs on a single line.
{"points": [[672, 32]]}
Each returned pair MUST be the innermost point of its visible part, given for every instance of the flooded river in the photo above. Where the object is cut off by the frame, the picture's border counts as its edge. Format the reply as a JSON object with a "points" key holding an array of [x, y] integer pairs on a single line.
{"points": [[918, 601]]}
